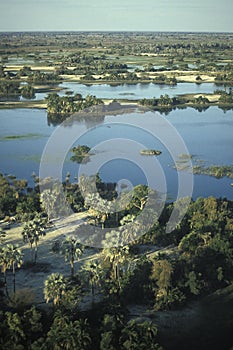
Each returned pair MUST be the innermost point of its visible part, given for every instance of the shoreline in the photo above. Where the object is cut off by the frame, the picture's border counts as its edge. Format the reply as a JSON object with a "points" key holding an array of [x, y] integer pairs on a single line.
{"points": [[213, 101]]}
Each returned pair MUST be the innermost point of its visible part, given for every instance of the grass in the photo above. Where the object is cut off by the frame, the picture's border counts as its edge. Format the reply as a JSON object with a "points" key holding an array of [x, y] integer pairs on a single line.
{"points": [[19, 137]]}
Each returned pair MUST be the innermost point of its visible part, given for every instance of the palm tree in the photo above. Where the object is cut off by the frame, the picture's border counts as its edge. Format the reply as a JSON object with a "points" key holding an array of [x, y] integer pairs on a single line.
{"points": [[10, 258], [94, 274], [32, 231], [139, 336], [65, 334], [116, 256], [72, 250], [54, 288]]}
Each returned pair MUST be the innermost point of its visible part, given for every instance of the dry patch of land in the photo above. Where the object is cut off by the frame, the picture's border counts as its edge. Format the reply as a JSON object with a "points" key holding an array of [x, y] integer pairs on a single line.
{"points": [[24, 104], [18, 67], [211, 97], [33, 277]]}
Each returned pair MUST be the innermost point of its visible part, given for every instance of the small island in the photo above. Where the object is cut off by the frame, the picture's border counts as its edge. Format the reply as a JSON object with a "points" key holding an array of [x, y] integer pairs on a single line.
{"points": [[81, 154], [150, 152]]}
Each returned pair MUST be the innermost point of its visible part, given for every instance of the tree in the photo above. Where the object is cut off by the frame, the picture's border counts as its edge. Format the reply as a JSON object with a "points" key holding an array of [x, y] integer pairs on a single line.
{"points": [[116, 256], [81, 154], [65, 334], [54, 288], [53, 199], [141, 336], [72, 250], [193, 283], [15, 329], [161, 273], [10, 258], [94, 274], [111, 330], [32, 231], [27, 91]]}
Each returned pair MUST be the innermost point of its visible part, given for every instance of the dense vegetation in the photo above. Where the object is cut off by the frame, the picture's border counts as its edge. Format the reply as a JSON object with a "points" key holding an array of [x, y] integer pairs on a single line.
{"points": [[192, 261], [67, 105]]}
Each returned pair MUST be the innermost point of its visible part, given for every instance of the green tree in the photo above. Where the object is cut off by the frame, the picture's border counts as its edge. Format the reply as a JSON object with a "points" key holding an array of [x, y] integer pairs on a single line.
{"points": [[94, 274], [32, 231], [141, 336], [193, 283], [54, 288], [65, 334], [72, 251], [116, 256], [10, 258], [15, 329]]}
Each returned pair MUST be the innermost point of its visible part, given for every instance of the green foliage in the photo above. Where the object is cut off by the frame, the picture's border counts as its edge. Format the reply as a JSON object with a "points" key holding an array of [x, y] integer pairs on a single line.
{"points": [[11, 257], [72, 250], [54, 288], [68, 105], [17, 198], [65, 334], [27, 91], [32, 231], [80, 154], [9, 87], [43, 78], [137, 335]]}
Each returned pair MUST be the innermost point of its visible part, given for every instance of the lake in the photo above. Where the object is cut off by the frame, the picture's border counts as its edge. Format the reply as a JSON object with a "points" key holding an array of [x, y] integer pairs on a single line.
{"points": [[207, 135]]}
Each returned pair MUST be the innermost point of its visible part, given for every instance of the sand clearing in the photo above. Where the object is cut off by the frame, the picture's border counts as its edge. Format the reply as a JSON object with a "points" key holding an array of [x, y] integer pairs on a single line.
{"points": [[47, 262]]}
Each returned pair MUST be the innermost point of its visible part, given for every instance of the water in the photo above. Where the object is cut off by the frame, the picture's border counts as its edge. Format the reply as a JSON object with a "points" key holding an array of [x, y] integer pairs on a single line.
{"points": [[132, 91], [139, 91], [207, 135]]}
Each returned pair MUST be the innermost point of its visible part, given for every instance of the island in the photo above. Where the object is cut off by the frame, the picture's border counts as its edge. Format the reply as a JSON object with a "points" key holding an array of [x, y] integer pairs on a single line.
{"points": [[150, 152]]}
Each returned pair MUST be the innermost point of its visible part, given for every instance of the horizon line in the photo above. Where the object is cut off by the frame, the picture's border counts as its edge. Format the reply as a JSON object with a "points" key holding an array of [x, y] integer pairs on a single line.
{"points": [[117, 31]]}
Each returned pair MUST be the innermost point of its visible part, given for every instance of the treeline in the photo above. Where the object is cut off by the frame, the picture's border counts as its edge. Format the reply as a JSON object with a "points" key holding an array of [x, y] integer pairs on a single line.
{"points": [[166, 104], [59, 108], [166, 101]]}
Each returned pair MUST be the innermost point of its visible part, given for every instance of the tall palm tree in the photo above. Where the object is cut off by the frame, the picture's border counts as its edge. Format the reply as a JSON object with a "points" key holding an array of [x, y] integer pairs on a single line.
{"points": [[32, 231], [94, 275], [116, 256], [72, 250], [54, 288], [10, 258]]}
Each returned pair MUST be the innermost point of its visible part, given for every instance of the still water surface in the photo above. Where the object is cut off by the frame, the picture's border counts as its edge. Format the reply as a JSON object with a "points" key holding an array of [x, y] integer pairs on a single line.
{"points": [[207, 135]]}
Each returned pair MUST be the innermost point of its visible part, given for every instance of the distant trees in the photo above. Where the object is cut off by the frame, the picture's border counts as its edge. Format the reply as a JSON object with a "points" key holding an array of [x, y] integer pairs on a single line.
{"points": [[16, 199], [9, 87], [27, 91], [69, 104], [38, 77], [226, 97]]}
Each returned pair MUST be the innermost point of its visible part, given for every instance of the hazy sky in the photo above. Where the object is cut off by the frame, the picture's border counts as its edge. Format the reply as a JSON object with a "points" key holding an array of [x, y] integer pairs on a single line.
{"points": [[152, 15]]}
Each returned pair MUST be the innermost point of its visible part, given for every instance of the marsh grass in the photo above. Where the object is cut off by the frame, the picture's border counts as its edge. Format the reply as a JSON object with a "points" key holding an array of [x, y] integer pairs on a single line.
{"points": [[20, 137]]}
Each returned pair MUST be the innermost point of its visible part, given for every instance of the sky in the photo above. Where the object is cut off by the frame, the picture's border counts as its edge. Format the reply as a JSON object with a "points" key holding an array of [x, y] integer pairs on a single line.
{"points": [[116, 15]]}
